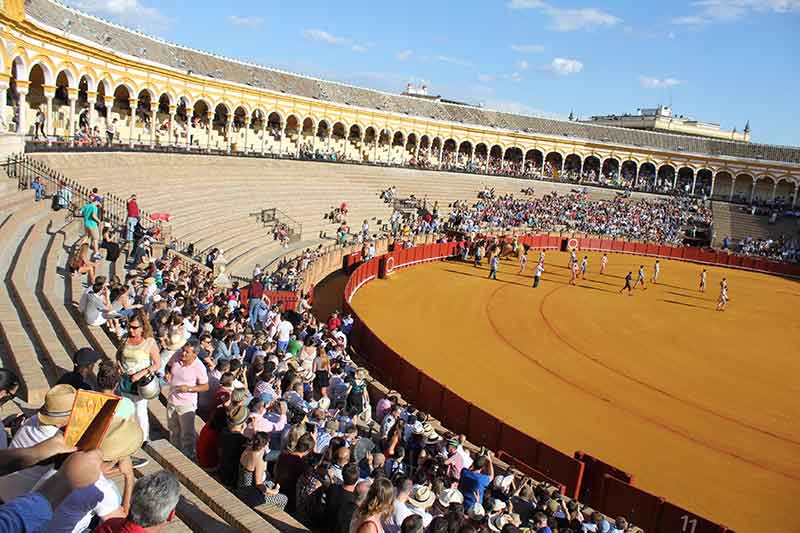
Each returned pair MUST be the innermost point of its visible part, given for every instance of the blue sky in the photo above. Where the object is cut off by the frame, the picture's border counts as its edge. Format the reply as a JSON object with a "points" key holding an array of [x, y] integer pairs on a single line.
{"points": [[726, 61]]}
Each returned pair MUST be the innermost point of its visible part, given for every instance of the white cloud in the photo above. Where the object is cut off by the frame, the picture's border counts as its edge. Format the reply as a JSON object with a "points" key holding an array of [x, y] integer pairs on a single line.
{"points": [[570, 19], [247, 22], [130, 12], [485, 78], [403, 55], [564, 67], [709, 11], [449, 59], [528, 48], [315, 34], [523, 65], [649, 82]]}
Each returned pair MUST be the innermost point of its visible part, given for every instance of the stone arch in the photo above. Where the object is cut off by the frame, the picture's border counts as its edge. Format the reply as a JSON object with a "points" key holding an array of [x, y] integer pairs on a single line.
{"points": [[572, 164], [553, 163], [370, 135], [384, 137], [723, 185], [339, 131], [647, 175], [703, 182], [69, 73], [684, 179], [465, 152], [274, 121], [611, 169], [412, 140], [241, 115], [309, 126], [742, 187], [424, 142], [496, 159], [355, 132], [785, 190], [591, 167], [292, 127], [323, 129], [628, 172], [763, 189], [47, 67], [449, 151], [534, 160], [19, 67], [481, 154], [222, 115], [122, 97], [665, 178], [397, 138]]}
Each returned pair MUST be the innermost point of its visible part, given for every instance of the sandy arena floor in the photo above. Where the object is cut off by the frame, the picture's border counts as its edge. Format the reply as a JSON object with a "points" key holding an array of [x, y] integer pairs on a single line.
{"points": [[701, 407]]}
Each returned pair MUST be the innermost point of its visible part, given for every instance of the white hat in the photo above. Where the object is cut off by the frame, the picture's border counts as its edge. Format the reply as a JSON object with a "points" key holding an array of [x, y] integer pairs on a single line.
{"points": [[476, 512], [449, 496], [497, 506], [503, 482], [497, 522], [421, 497]]}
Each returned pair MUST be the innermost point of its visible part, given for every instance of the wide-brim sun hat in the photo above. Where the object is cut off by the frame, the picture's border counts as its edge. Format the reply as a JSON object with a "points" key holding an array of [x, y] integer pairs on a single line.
{"points": [[449, 496], [57, 406], [497, 522], [123, 438], [421, 497], [477, 512]]}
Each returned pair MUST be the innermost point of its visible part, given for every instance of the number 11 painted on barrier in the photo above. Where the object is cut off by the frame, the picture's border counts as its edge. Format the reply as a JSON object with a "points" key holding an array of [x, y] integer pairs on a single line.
{"points": [[689, 524]]}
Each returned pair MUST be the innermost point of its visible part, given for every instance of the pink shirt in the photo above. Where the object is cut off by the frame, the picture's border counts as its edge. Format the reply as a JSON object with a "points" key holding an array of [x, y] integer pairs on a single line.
{"points": [[192, 375], [268, 423]]}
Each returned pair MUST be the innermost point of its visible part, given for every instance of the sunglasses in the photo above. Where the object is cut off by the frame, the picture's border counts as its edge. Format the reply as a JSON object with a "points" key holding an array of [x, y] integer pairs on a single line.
{"points": [[131, 326]]}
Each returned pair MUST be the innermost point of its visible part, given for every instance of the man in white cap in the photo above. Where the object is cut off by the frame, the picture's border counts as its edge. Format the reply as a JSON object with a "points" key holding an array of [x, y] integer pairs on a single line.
{"points": [[420, 500]]}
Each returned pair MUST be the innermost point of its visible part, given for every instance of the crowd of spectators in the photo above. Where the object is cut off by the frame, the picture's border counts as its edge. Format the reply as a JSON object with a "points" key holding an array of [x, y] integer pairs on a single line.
{"points": [[658, 220], [780, 248]]}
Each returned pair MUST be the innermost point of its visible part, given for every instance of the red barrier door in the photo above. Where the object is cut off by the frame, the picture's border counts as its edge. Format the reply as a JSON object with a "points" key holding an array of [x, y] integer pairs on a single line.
{"points": [[677, 520]]}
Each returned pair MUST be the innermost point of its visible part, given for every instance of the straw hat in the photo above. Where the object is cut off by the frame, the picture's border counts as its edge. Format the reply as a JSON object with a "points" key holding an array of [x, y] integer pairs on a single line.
{"points": [[476, 512], [57, 405], [238, 415], [123, 438], [449, 496], [421, 497], [150, 281], [497, 522]]}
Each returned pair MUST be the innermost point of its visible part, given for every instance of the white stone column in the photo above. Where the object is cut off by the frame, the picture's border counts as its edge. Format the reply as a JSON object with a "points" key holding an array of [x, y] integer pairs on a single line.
{"points": [[210, 117], [153, 125], [91, 98], [133, 103], [172, 127], [733, 186], [228, 134], [753, 190], [73, 97], [694, 181], [794, 196], [22, 105], [774, 191]]}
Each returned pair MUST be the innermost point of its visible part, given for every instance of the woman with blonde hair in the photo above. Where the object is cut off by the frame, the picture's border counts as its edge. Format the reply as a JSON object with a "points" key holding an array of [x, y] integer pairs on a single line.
{"points": [[376, 509], [138, 356]]}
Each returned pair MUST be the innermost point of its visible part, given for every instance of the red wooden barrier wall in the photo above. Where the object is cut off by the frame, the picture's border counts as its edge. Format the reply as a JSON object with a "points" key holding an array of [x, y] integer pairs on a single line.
{"points": [[674, 519], [621, 499], [594, 473], [584, 476]]}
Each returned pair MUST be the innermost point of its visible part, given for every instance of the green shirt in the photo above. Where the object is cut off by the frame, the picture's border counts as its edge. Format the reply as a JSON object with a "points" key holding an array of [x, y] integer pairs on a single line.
{"points": [[88, 212], [294, 347]]}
